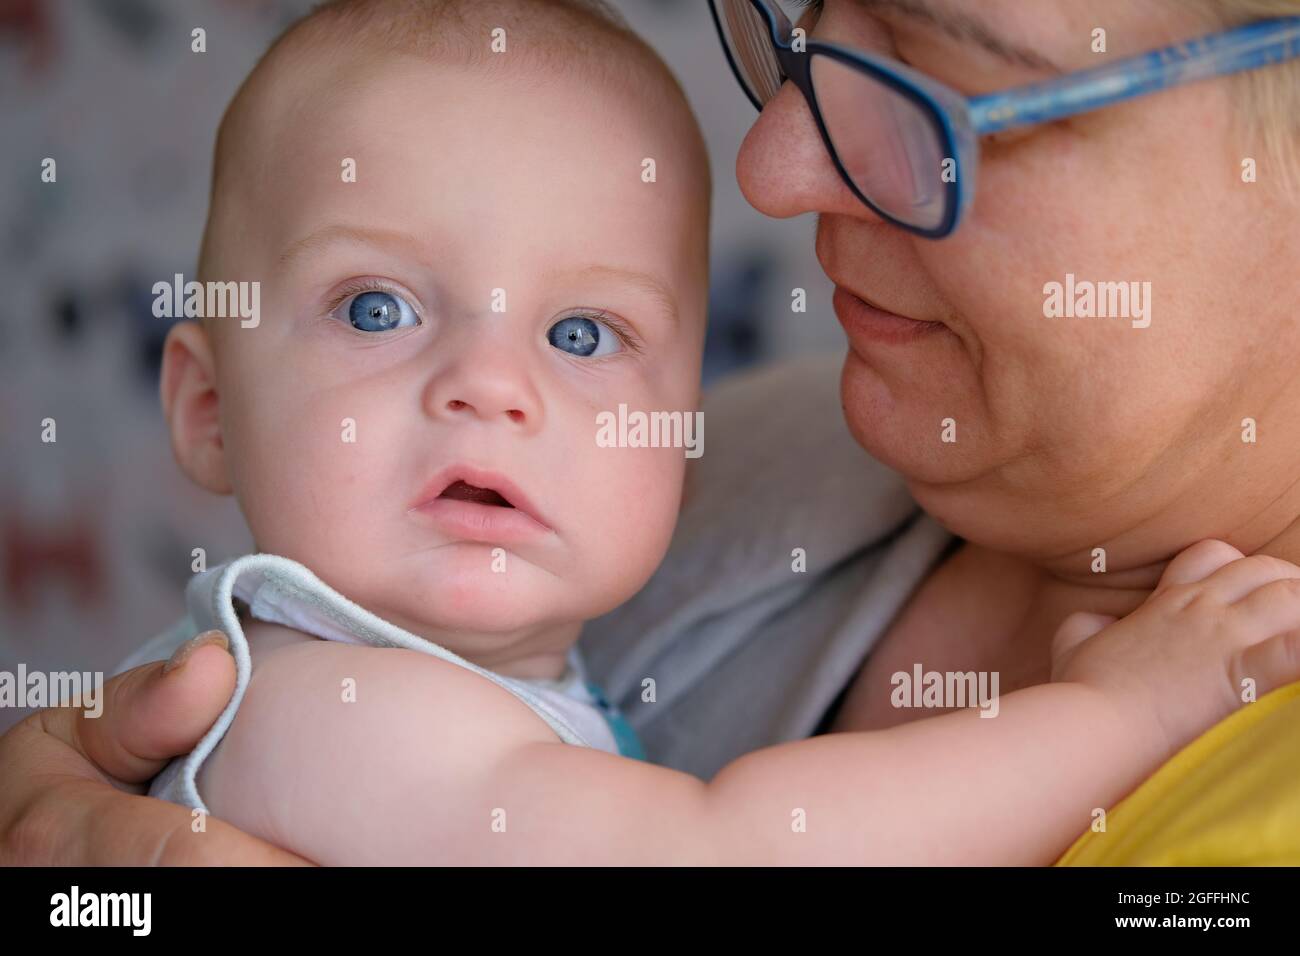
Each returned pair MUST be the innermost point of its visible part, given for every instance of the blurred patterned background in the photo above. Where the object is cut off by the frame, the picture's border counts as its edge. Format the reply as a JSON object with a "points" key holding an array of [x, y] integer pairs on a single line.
{"points": [[96, 529]]}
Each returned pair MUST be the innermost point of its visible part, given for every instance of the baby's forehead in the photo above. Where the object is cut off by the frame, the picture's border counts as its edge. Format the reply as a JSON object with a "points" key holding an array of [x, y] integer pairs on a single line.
{"points": [[405, 120], [410, 135], [594, 150], [488, 37], [327, 91]]}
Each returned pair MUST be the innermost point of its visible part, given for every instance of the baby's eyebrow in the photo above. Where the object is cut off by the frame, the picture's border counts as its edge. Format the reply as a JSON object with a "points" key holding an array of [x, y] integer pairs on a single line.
{"points": [[652, 286], [342, 232]]}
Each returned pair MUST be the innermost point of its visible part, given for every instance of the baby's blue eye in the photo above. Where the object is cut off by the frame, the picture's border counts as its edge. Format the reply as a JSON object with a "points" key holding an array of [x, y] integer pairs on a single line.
{"points": [[583, 337], [378, 311]]}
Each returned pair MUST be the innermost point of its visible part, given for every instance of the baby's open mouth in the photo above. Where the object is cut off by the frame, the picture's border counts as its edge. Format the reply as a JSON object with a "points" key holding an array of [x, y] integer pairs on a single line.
{"points": [[470, 503], [464, 491]]}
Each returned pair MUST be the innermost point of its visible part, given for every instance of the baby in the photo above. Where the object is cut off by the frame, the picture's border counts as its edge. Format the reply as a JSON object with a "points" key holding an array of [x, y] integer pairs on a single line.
{"points": [[478, 226]]}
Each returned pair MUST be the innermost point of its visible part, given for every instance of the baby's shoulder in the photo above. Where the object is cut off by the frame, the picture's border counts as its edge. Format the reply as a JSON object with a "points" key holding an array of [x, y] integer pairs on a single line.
{"points": [[322, 724], [266, 638], [388, 684]]}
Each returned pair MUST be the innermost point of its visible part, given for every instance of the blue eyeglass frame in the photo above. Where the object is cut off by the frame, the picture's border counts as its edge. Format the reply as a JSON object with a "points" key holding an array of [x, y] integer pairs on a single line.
{"points": [[959, 121]]}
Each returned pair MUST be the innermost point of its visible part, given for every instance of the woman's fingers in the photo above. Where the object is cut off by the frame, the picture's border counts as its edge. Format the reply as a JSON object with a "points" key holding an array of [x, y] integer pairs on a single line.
{"points": [[152, 713], [1198, 562], [72, 820], [56, 803]]}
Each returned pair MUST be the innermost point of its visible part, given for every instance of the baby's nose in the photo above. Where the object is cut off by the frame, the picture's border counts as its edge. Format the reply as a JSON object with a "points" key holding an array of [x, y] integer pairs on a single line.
{"points": [[461, 406], [487, 392]]}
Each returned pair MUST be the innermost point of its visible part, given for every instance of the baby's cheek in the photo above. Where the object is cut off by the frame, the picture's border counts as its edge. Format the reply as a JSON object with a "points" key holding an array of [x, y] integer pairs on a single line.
{"points": [[306, 480], [640, 500]]}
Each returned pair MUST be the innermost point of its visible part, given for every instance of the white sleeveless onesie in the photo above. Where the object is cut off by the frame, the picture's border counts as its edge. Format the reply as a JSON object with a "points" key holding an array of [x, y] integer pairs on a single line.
{"points": [[285, 592]]}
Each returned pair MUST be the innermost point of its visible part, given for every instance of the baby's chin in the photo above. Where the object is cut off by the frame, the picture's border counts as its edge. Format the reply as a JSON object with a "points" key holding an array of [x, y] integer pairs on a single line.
{"points": [[458, 589]]}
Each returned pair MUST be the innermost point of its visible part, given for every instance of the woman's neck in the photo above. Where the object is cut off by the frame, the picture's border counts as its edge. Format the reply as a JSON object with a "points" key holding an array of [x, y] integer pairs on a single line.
{"points": [[1285, 545], [1116, 593]]}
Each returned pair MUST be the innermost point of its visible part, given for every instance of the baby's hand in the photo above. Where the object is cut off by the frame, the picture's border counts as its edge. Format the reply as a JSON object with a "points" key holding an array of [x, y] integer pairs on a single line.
{"points": [[1185, 659]]}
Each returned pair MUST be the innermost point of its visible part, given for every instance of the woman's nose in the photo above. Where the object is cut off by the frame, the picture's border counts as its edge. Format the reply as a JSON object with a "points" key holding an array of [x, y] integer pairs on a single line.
{"points": [[783, 167], [486, 389]]}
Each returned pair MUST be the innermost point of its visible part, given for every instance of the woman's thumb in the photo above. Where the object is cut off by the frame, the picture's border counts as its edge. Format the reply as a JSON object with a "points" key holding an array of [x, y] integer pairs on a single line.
{"points": [[156, 711]]}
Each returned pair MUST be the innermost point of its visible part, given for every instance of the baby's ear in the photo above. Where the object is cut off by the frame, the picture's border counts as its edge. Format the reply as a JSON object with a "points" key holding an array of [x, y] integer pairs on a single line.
{"points": [[190, 403]]}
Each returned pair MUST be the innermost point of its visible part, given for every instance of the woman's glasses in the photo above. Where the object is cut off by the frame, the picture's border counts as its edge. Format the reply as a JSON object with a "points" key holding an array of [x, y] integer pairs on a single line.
{"points": [[907, 145]]}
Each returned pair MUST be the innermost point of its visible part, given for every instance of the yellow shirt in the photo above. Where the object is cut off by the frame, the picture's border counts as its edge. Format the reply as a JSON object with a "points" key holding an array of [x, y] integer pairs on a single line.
{"points": [[1229, 798]]}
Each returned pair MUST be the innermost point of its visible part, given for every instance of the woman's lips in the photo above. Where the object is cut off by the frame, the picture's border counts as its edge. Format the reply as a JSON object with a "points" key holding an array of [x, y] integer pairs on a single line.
{"points": [[864, 322]]}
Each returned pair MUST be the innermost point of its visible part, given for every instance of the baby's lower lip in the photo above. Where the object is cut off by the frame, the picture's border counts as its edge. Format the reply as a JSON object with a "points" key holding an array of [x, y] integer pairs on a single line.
{"points": [[472, 521]]}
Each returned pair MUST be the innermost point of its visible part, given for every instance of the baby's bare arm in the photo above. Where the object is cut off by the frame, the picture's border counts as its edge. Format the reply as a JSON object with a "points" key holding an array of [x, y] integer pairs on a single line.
{"points": [[433, 764], [953, 789]]}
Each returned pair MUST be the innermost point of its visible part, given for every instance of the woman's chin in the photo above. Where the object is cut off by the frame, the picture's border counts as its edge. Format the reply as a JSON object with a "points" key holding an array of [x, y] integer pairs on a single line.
{"points": [[904, 427]]}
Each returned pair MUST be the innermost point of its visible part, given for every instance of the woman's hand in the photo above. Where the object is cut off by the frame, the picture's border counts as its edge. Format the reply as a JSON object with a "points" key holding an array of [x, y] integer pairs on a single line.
{"points": [[1217, 625], [70, 785]]}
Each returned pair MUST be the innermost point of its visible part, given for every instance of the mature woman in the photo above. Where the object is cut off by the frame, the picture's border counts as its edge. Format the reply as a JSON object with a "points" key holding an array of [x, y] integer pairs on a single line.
{"points": [[1073, 433]]}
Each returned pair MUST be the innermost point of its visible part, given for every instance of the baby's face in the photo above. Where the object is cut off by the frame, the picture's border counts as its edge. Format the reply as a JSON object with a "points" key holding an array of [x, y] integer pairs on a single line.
{"points": [[497, 275]]}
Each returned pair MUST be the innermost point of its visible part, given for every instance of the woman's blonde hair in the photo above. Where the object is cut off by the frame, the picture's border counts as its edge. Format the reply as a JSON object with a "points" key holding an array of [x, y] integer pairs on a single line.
{"points": [[1272, 94]]}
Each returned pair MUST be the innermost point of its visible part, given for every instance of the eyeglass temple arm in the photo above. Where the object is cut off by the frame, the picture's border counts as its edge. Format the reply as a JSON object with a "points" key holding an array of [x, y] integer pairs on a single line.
{"points": [[1245, 48]]}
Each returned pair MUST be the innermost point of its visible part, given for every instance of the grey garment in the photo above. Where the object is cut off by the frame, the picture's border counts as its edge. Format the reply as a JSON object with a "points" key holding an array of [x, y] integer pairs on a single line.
{"points": [[744, 651]]}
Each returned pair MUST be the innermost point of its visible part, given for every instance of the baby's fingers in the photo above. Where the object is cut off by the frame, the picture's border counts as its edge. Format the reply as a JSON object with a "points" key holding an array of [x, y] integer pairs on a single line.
{"points": [[1238, 580], [1270, 609], [1198, 562], [1269, 665]]}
